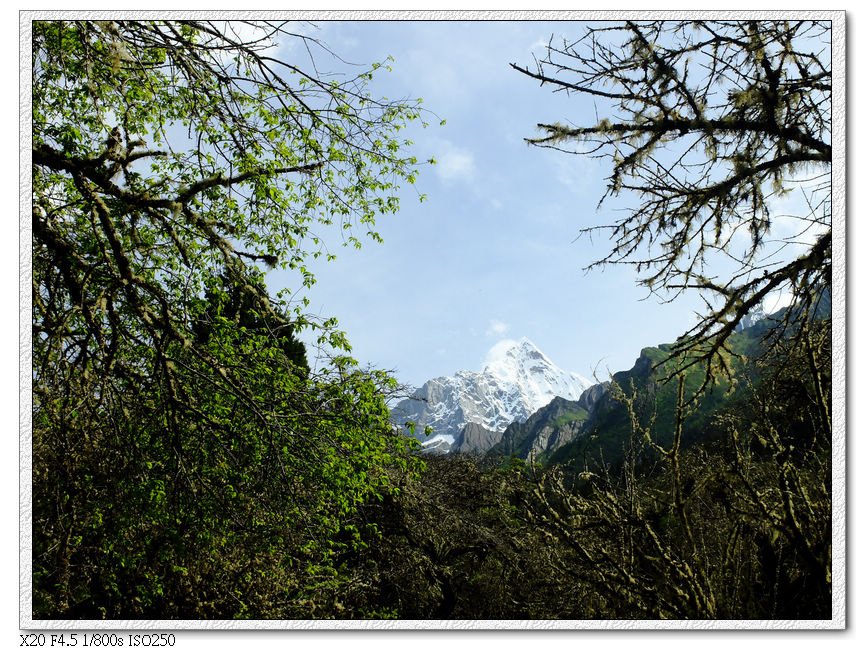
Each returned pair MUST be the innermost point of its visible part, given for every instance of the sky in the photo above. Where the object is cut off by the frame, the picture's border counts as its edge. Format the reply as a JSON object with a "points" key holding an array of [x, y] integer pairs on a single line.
{"points": [[495, 251]]}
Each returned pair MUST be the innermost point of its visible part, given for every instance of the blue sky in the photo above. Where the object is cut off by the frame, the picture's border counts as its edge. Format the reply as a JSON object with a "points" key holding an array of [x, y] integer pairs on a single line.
{"points": [[495, 251]]}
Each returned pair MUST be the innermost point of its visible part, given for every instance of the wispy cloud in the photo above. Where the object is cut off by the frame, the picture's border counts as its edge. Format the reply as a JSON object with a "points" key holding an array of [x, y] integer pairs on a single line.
{"points": [[797, 222], [497, 328], [257, 35], [539, 47], [455, 163], [777, 300], [576, 172]]}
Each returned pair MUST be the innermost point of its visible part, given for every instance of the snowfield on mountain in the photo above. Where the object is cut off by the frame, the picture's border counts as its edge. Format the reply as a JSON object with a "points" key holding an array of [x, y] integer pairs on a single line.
{"points": [[516, 381]]}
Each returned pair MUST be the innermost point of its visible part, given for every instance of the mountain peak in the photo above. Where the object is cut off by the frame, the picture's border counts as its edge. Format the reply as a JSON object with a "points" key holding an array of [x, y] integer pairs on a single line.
{"points": [[521, 363], [507, 352], [516, 381]]}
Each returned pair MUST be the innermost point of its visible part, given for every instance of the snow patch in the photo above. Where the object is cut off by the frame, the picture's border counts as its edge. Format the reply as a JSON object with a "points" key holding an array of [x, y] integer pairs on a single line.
{"points": [[438, 440], [516, 381]]}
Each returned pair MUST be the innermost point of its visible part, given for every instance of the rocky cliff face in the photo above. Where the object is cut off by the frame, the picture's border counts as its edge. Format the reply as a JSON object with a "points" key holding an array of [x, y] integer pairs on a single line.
{"points": [[592, 395], [517, 380], [547, 430], [475, 439]]}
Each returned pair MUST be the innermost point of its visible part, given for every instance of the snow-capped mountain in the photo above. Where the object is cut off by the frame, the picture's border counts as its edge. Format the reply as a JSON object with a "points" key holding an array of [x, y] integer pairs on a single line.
{"points": [[517, 380]]}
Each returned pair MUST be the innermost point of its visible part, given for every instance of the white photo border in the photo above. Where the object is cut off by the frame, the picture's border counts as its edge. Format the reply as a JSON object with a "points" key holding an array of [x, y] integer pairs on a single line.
{"points": [[839, 325]]}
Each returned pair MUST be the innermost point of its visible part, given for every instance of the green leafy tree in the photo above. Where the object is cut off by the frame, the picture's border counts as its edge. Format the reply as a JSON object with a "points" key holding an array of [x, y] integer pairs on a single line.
{"points": [[186, 462], [455, 546], [705, 124], [227, 304]]}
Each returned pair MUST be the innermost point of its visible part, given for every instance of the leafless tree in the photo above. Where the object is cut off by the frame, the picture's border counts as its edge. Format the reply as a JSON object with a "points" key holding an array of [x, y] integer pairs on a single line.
{"points": [[707, 124]]}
